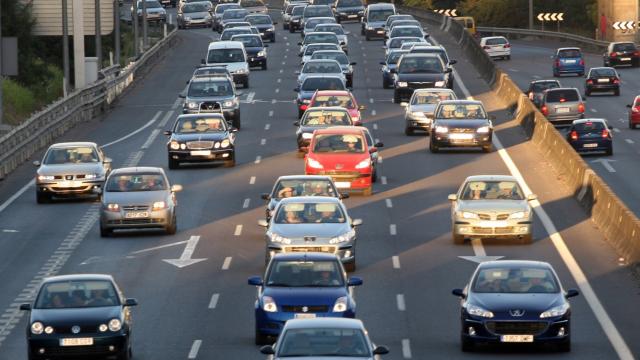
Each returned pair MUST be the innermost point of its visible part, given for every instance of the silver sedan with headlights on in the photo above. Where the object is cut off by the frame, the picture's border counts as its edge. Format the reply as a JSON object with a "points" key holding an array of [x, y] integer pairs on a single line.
{"points": [[69, 169], [491, 206], [312, 224], [419, 111], [138, 197]]}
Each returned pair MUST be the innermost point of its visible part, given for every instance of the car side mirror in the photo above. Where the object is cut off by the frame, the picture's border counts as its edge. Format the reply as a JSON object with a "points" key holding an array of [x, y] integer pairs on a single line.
{"points": [[297, 72], [265, 196], [380, 350], [25, 307], [188, 81], [453, 62], [628, 105], [300, 44], [176, 188], [426, 36], [344, 196], [383, 63], [267, 350], [265, 45], [354, 281], [452, 197], [107, 161], [296, 89], [532, 197], [393, 71], [362, 107], [379, 144], [356, 222], [459, 293], [202, 61], [36, 163], [572, 293], [130, 302], [255, 281], [263, 223], [239, 92], [384, 47], [167, 132], [353, 63], [296, 123], [448, 70], [233, 129]]}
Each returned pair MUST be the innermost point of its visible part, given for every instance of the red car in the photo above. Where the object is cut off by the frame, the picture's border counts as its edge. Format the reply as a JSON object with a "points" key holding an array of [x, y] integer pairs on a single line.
{"points": [[342, 153], [341, 98], [634, 113]]}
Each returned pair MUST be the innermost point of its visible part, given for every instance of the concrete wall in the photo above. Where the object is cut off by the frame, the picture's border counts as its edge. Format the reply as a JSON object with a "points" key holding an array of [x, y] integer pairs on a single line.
{"points": [[617, 10]]}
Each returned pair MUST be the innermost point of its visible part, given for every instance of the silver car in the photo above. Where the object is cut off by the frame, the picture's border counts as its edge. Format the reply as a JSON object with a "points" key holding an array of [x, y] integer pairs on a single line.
{"points": [[419, 111], [138, 197], [319, 67], [72, 168], [491, 206], [312, 224]]}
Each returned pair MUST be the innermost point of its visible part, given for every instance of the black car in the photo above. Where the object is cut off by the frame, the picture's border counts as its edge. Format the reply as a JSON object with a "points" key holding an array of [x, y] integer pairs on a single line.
{"points": [[347, 10], [389, 67], [602, 79], [255, 48], [201, 138], [536, 90], [79, 315], [515, 302], [460, 123], [313, 83], [621, 53], [419, 71], [341, 58], [264, 24], [214, 93], [317, 118], [591, 135], [440, 51], [295, 21]]}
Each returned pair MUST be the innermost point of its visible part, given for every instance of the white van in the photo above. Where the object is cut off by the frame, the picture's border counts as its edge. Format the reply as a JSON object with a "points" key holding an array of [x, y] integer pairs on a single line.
{"points": [[232, 55]]}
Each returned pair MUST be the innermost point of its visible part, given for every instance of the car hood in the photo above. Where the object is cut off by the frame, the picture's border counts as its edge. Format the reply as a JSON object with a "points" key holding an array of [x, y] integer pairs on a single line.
{"points": [[82, 316], [296, 232], [263, 26], [196, 15], [305, 295], [209, 98], [134, 197], [200, 137], [349, 8], [324, 358], [376, 24], [501, 304], [253, 50], [347, 160], [493, 206], [463, 123], [71, 169], [421, 77], [426, 108]]}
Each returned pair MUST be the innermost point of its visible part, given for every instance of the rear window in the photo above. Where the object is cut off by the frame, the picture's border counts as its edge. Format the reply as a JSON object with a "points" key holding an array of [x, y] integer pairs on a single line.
{"points": [[317, 11], [380, 14], [589, 127], [321, 38], [406, 31], [312, 84], [562, 96], [496, 41], [394, 57], [624, 47], [298, 10], [603, 72], [569, 53]]}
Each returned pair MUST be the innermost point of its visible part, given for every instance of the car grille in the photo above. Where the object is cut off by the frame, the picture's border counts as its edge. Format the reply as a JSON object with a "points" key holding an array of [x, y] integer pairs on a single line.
{"points": [[493, 231], [72, 189], [210, 106], [462, 130], [489, 217], [199, 145], [79, 350], [516, 327], [83, 330], [342, 175], [310, 309], [135, 221], [135, 207], [327, 249]]}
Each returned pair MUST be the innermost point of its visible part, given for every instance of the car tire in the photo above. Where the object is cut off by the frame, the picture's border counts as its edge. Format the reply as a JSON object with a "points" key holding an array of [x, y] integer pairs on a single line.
{"points": [[487, 148], [105, 232], [236, 121], [374, 176], [172, 228], [508, 57], [264, 65], [555, 74], [273, 39], [396, 98], [42, 198], [632, 126], [580, 74], [609, 151], [350, 84], [285, 26], [433, 148], [385, 84], [261, 339], [408, 131], [245, 84], [616, 92], [362, 31], [466, 345], [291, 29], [230, 163], [300, 113], [367, 37], [587, 93], [350, 266], [457, 239], [527, 239], [173, 164], [367, 191], [564, 346]]}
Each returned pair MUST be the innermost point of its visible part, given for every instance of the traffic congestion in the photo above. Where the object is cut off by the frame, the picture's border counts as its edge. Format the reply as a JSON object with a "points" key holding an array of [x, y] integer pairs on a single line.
{"points": [[332, 109]]}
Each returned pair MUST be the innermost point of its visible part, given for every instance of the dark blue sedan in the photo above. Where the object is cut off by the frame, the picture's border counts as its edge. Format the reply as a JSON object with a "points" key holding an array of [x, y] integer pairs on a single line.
{"points": [[591, 135], [519, 302], [301, 286]]}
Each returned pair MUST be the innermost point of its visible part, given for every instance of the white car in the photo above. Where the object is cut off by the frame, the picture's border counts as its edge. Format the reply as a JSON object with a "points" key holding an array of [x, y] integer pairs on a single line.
{"points": [[496, 47], [232, 55]]}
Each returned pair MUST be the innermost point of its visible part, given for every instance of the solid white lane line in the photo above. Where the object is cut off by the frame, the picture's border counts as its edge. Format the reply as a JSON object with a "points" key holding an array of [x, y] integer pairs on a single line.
{"points": [[629, 141], [395, 260], [227, 263], [16, 195], [150, 139], [267, 126], [193, 353], [406, 349], [165, 119], [478, 249], [214, 301], [383, 180], [246, 202], [389, 203], [263, 141], [238, 230], [252, 180], [155, 117], [400, 301], [392, 229], [258, 159]]}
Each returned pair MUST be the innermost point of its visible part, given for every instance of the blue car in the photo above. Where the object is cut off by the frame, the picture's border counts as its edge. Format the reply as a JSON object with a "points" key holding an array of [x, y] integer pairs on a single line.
{"points": [[301, 286], [515, 302], [591, 135], [568, 61]]}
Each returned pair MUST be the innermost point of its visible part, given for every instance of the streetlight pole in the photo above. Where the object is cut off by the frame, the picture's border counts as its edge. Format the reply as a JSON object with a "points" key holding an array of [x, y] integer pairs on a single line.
{"points": [[531, 14], [98, 35], [144, 26], [65, 47], [116, 30], [136, 36]]}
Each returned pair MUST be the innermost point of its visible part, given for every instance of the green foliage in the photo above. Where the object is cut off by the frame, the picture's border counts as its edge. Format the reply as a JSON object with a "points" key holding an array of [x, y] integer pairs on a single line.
{"points": [[18, 102], [502, 13], [427, 4]]}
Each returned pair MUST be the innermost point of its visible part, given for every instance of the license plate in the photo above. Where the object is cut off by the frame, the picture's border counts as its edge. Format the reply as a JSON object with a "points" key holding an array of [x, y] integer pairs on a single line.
{"points": [[76, 342], [461, 136], [352, 16], [625, 59], [201, 153], [70, 184], [603, 80], [570, 61], [492, 224], [517, 338], [136, 214], [343, 184], [380, 31], [562, 110], [305, 316], [590, 145]]}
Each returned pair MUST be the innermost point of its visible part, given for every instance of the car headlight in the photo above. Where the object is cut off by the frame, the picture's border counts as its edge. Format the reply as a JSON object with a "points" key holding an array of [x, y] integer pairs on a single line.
{"points": [[369, 27], [269, 29], [216, 145], [418, 114], [159, 205], [174, 145], [262, 53], [112, 207], [314, 164], [91, 176], [280, 239], [242, 71], [401, 84], [348, 236], [555, 311], [192, 105], [519, 215], [306, 101], [103, 327], [37, 328], [364, 164], [225, 143], [467, 215], [115, 325], [228, 103], [307, 136], [268, 304], [478, 311], [46, 177], [442, 129], [187, 18], [440, 83], [341, 304], [355, 118], [48, 330], [484, 130]]}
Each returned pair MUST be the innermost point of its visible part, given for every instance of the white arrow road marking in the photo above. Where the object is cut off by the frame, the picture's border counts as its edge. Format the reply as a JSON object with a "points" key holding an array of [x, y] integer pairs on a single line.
{"points": [[605, 163], [185, 259]]}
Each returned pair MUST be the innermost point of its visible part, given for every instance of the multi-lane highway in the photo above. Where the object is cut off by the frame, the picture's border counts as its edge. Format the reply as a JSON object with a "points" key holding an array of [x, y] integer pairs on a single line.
{"points": [[406, 256]]}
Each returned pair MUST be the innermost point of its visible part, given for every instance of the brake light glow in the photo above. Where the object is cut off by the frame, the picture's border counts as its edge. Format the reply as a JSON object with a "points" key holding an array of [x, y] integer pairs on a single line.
{"points": [[562, 100], [613, 54], [581, 107], [590, 81], [303, 107], [574, 135], [605, 133], [545, 110], [616, 81], [582, 62], [486, 47], [506, 46], [636, 53]]}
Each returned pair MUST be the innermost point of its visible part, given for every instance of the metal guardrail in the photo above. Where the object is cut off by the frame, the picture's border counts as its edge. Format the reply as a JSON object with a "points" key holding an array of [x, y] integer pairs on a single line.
{"points": [[575, 39], [41, 129]]}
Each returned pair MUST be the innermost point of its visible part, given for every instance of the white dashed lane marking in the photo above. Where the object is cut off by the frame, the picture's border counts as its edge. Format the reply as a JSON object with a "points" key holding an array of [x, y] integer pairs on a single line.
{"points": [[252, 180], [392, 229], [238, 230], [395, 260], [389, 203], [629, 141], [258, 159], [383, 180], [193, 353], [406, 349], [246, 202], [400, 301], [214, 301], [227, 263]]}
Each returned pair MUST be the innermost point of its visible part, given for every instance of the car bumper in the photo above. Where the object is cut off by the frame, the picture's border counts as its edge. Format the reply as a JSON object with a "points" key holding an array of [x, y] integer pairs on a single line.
{"points": [[443, 140], [628, 60], [477, 230], [118, 220], [499, 53], [603, 87], [202, 155], [591, 146], [257, 60], [542, 331], [268, 35], [569, 70], [346, 181], [418, 123], [375, 33], [69, 188], [564, 119], [228, 113], [102, 346], [197, 23], [345, 251], [634, 118], [271, 323], [240, 78], [349, 16]]}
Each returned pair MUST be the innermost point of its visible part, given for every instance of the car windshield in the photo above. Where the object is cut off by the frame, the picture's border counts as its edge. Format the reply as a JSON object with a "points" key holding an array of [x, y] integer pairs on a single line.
{"points": [[569, 53], [196, 7], [394, 18], [321, 342], [349, 3], [424, 65], [338, 30], [321, 38], [71, 155], [496, 41], [303, 187], [304, 274], [229, 33], [344, 101], [491, 190], [259, 20], [515, 281], [221, 8], [461, 111], [150, 4], [317, 11], [568, 95], [423, 50], [380, 14], [339, 143], [589, 127], [394, 56], [406, 31], [189, 125], [312, 48], [542, 86], [234, 14], [431, 97], [220, 56], [77, 294], [298, 10], [332, 83], [210, 88], [211, 71], [321, 67], [325, 118], [251, 3], [338, 56], [624, 47], [396, 43], [404, 23], [310, 213], [312, 23], [249, 41], [603, 72], [136, 182]]}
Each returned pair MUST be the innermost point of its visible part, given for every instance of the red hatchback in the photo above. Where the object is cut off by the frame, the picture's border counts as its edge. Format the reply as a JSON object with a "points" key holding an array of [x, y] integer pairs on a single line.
{"points": [[340, 98], [342, 153], [634, 113]]}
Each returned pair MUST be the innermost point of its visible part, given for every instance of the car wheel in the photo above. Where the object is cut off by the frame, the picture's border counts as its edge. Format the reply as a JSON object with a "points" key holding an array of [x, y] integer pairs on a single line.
{"points": [[362, 31], [527, 239], [367, 191], [457, 239], [236, 121], [291, 29], [617, 92], [555, 74], [261, 339], [172, 228], [408, 131], [173, 163], [508, 57], [587, 93], [581, 74], [273, 39], [374, 176], [350, 266], [245, 84], [230, 163], [350, 84], [385, 84], [487, 148], [300, 113], [42, 198], [432, 147], [396, 97], [631, 125], [610, 151], [564, 346], [105, 232], [285, 26], [466, 345], [264, 65], [367, 37]]}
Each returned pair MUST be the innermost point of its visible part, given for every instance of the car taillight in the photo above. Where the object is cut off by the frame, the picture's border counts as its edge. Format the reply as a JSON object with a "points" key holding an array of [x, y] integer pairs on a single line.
{"points": [[581, 107], [506, 46], [636, 53], [605, 133], [574, 135], [545, 110], [582, 62], [616, 81], [635, 109], [486, 47], [558, 63], [562, 100], [303, 107], [613, 54], [589, 81]]}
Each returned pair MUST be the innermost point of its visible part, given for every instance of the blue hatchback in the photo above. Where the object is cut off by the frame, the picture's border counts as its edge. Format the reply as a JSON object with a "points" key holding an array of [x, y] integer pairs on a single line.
{"points": [[591, 135], [301, 286], [568, 61]]}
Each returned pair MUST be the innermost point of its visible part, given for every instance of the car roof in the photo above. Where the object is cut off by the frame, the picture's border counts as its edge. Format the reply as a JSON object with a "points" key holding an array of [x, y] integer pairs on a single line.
{"points": [[491, 178], [421, 55], [406, 26], [210, 77], [356, 130], [76, 277], [73, 144], [310, 199], [138, 169], [432, 90], [320, 33], [382, 6], [562, 88], [200, 116], [327, 108], [334, 92], [569, 48], [515, 264], [545, 81], [461, 101], [428, 47], [246, 35], [305, 256], [493, 37], [319, 76], [227, 44], [328, 322], [304, 177], [602, 67], [329, 51], [582, 121], [313, 61]]}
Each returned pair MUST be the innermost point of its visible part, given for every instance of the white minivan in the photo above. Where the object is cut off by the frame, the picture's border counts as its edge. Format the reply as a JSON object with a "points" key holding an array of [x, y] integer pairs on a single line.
{"points": [[496, 47], [232, 55]]}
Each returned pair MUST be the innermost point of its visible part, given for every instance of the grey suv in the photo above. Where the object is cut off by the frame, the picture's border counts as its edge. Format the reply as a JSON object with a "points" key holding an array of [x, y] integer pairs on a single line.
{"points": [[562, 105], [213, 94]]}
